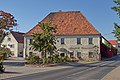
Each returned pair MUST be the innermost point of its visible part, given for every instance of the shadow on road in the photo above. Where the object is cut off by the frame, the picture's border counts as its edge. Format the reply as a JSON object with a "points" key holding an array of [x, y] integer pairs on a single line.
{"points": [[104, 63], [7, 72]]}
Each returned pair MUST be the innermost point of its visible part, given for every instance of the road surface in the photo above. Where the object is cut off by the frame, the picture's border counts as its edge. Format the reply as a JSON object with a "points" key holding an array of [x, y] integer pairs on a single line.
{"points": [[78, 71]]}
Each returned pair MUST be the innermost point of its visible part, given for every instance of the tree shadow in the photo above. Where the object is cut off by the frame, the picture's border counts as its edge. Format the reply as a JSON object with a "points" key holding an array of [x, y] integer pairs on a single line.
{"points": [[9, 72], [104, 63]]}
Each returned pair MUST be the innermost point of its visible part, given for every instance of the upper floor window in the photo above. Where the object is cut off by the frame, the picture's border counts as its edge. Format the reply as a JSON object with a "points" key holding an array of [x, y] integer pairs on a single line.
{"points": [[31, 41], [90, 40], [62, 41], [9, 39], [78, 40]]}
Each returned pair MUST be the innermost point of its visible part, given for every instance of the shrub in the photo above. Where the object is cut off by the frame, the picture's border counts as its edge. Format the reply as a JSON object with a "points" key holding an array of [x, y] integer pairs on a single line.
{"points": [[33, 59], [5, 52]]}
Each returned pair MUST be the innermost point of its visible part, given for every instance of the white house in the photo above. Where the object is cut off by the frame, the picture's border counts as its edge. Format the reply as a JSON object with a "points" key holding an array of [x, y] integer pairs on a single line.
{"points": [[14, 41], [76, 37]]}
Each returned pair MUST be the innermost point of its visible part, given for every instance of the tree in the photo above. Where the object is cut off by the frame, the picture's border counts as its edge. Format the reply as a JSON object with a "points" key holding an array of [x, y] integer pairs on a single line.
{"points": [[44, 42], [116, 32], [7, 22]]}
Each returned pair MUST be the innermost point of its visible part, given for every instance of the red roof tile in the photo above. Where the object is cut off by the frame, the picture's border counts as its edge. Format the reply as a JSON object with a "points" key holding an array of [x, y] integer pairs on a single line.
{"points": [[67, 23], [113, 42]]}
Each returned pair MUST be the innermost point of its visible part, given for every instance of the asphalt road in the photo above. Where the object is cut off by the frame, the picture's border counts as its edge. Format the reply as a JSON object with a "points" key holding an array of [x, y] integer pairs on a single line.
{"points": [[94, 71]]}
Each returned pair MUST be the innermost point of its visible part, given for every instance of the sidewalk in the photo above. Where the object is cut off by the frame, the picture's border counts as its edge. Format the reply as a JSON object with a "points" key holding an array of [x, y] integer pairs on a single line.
{"points": [[113, 75]]}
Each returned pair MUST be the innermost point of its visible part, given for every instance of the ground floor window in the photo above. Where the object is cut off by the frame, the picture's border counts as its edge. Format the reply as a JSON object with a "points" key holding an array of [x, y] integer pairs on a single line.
{"points": [[12, 53], [79, 55], [71, 54], [30, 53], [91, 54], [62, 54]]}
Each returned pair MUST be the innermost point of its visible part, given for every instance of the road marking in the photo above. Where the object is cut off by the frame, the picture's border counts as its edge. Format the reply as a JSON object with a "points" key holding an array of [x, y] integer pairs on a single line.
{"points": [[83, 71], [89, 69]]}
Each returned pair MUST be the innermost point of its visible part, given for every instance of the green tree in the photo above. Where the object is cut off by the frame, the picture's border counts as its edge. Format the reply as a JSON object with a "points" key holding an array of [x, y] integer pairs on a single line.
{"points": [[45, 41], [116, 8]]}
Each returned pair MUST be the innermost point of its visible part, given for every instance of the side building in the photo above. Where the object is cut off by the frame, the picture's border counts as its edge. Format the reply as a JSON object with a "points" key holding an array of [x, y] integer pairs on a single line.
{"points": [[76, 37], [14, 41]]}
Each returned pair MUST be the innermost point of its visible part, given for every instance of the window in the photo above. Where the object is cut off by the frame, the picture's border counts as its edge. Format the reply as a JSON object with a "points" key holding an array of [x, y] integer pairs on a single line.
{"points": [[119, 45], [90, 40], [30, 41], [11, 45], [71, 54], [78, 40], [12, 53], [91, 55], [62, 54], [4, 45], [79, 55], [62, 41], [9, 39], [30, 53]]}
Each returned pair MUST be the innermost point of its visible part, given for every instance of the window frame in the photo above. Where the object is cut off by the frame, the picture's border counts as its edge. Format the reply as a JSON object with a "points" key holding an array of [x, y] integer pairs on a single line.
{"points": [[90, 40], [30, 41], [9, 39], [78, 40], [79, 54], [91, 54], [62, 41]]}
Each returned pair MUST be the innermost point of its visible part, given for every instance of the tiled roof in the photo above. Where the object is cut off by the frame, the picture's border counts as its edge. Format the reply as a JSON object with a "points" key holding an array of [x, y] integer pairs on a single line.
{"points": [[113, 42], [18, 36], [67, 23]]}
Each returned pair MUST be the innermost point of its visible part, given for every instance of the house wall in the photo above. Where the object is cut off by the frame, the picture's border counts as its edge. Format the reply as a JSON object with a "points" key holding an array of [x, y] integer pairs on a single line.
{"points": [[8, 41], [84, 48], [118, 47], [107, 50], [71, 46]]}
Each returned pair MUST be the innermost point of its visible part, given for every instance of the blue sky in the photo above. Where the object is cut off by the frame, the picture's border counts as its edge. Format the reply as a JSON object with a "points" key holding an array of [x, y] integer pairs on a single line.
{"points": [[29, 12]]}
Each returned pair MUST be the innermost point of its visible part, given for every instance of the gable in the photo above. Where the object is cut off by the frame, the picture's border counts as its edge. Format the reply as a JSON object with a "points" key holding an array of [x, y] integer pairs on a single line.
{"points": [[7, 41], [18, 36]]}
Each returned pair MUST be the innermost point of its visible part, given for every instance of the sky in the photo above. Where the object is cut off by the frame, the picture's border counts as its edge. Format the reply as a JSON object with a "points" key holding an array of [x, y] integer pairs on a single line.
{"points": [[29, 12]]}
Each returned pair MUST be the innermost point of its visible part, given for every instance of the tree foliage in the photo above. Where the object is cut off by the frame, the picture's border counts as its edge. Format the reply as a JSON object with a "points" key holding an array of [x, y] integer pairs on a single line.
{"points": [[7, 20], [116, 8], [44, 41], [5, 52]]}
